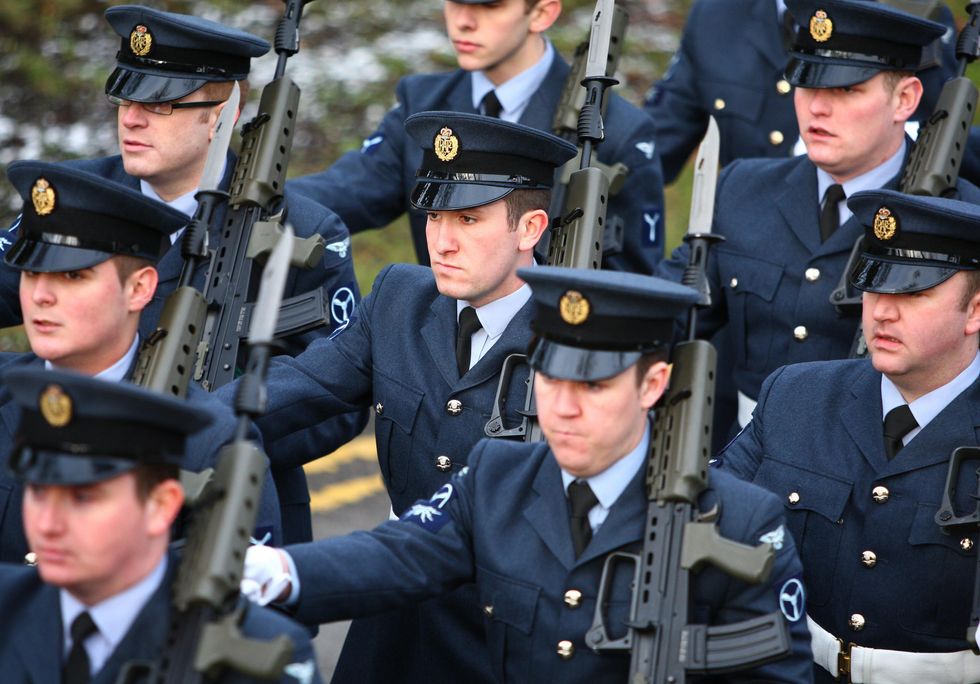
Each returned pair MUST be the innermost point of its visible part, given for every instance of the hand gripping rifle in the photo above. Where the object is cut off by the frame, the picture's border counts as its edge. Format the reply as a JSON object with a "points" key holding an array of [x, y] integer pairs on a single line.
{"points": [[252, 226], [934, 164], [576, 234], [678, 538], [204, 637]]}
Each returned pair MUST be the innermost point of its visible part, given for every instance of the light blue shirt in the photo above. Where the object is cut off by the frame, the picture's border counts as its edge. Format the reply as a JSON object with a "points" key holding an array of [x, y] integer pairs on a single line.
{"points": [[930, 405], [494, 317], [515, 94], [117, 371], [112, 617], [872, 180], [610, 483]]}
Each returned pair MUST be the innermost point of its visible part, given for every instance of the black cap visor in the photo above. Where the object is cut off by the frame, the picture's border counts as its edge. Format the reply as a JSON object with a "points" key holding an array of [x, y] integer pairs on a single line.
{"points": [[140, 86], [450, 196], [582, 365], [879, 274], [821, 73], [43, 257], [54, 468]]}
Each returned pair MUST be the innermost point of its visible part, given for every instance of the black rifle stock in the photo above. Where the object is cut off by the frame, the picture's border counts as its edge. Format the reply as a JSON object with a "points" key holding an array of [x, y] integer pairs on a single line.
{"points": [[577, 230], [252, 225], [204, 637], [934, 164]]}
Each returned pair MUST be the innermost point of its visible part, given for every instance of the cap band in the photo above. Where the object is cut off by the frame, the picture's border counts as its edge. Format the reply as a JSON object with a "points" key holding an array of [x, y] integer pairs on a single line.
{"points": [[474, 166], [70, 227], [630, 334], [183, 60], [861, 49]]}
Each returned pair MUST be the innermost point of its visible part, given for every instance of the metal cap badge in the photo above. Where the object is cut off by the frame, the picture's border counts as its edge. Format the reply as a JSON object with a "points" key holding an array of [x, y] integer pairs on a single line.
{"points": [[140, 40], [55, 406], [446, 145], [885, 224], [42, 197], [574, 308], [821, 26]]}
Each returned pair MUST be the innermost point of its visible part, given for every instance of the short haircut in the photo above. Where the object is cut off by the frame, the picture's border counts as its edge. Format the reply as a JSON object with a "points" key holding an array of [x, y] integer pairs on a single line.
{"points": [[519, 202], [892, 79], [221, 90], [149, 475], [972, 287], [127, 265], [647, 360]]}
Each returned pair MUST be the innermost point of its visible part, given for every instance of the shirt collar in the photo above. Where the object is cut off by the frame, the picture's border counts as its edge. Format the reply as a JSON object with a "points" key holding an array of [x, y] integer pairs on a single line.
{"points": [[610, 483], [497, 315], [185, 203], [929, 405], [876, 178], [116, 372], [114, 616], [515, 93]]}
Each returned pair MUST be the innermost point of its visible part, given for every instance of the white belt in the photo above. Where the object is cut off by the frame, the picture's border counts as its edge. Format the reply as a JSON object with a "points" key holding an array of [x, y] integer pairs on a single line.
{"points": [[881, 666], [745, 408]]}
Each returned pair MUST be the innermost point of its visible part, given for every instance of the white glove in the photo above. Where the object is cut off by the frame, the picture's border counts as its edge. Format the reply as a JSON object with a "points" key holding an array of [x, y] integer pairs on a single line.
{"points": [[264, 577]]}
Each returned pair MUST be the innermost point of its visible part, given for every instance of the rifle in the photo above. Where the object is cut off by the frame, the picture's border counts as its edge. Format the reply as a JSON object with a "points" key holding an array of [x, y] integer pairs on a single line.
{"points": [[678, 538], [204, 638], [571, 192], [934, 163], [968, 524], [576, 233], [252, 227]]}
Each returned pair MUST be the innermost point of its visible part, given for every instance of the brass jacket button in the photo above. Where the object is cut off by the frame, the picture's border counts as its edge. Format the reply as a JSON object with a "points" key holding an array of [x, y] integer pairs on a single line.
{"points": [[880, 494], [573, 598], [793, 498], [454, 407], [869, 559], [379, 408], [443, 464], [856, 622], [566, 649]]}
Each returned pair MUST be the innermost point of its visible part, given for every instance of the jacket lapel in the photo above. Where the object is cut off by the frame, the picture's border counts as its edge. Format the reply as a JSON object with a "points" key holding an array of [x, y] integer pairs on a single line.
{"points": [[547, 512], [862, 409], [795, 201], [439, 334], [43, 635]]}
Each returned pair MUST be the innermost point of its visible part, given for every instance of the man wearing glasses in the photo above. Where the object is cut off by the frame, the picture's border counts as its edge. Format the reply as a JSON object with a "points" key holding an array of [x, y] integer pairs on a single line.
{"points": [[172, 76]]}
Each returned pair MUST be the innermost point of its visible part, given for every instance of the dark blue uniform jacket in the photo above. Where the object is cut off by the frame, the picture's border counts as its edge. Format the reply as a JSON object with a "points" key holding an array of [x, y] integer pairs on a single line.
{"points": [[817, 432], [503, 523], [31, 633]]}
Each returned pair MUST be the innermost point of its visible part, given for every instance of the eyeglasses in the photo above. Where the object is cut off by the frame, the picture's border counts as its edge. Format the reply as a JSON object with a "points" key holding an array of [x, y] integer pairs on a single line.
{"points": [[162, 108]]}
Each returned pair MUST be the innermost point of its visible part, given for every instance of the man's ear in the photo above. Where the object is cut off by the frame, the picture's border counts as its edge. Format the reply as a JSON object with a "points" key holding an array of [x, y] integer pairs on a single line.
{"points": [[654, 384], [141, 284], [531, 227], [544, 14], [162, 506], [908, 93]]}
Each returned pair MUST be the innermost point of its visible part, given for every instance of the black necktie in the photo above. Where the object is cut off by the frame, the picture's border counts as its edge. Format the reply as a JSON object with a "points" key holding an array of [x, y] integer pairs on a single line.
{"points": [[469, 323], [491, 105], [898, 423], [829, 215], [581, 499], [77, 667]]}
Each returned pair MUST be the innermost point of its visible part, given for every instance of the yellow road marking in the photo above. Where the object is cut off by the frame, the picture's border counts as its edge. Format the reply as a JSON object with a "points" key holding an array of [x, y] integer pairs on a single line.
{"points": [[350, 491], [361, 448]]}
